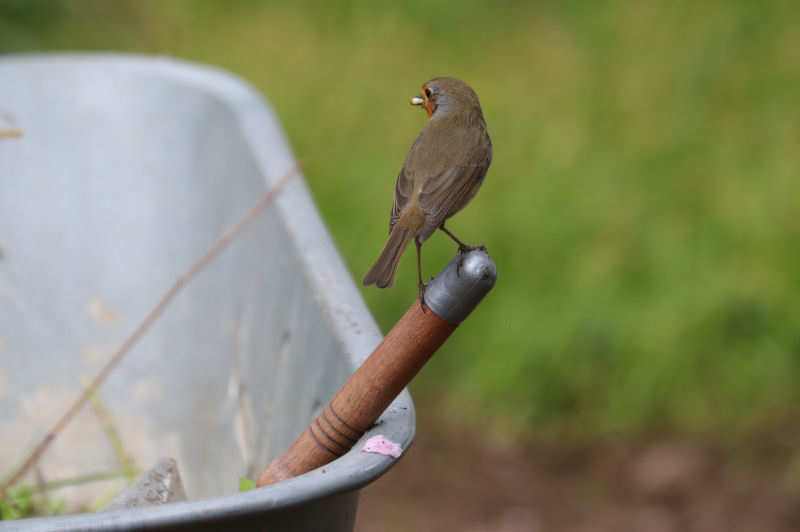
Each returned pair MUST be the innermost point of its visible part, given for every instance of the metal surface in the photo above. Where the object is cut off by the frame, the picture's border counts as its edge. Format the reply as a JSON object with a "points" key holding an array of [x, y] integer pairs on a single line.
{"points": [[458, 289], [128, 168]]}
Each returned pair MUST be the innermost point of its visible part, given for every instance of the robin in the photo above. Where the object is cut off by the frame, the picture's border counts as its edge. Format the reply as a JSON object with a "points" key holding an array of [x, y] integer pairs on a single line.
{"points": [[442, 172]]}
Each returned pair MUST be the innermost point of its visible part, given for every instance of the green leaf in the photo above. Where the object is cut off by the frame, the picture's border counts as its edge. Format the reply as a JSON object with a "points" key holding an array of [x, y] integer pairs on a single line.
{"points": [[245, 484]]}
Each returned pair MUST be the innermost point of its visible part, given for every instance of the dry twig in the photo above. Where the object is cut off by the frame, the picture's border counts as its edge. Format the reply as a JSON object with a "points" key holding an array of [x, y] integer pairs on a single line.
{"points": [[10, 133]]}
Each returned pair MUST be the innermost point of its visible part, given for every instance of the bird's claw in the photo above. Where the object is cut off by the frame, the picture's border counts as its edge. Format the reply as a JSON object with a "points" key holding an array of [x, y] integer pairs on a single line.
{"points": [[422, 296], [467, 249]]}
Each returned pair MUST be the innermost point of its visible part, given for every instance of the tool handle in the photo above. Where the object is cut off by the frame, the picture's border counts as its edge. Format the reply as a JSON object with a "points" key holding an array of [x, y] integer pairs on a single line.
{"points": [[365, 395], [396, 360]]}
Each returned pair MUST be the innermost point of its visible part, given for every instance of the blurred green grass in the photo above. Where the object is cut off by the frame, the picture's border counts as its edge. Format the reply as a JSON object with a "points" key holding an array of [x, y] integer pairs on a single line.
{"points": [[642, 206]]}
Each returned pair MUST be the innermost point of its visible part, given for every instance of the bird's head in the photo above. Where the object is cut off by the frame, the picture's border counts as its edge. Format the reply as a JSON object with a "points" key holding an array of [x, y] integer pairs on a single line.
{"points": [[444, 95]]}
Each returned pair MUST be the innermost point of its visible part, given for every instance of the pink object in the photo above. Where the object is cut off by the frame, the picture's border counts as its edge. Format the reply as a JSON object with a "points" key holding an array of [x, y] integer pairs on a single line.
{"points": [[381, 445]]}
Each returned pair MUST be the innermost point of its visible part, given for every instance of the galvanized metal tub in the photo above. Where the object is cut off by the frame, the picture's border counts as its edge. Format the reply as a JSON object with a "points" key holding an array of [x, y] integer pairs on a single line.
{"points": [[127, 169]]}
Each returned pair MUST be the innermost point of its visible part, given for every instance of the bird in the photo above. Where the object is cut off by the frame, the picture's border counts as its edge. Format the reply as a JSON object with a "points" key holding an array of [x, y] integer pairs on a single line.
{"points": [[442, 172]]}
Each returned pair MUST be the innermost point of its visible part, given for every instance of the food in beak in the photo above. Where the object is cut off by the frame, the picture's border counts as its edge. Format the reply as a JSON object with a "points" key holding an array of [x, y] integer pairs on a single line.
{"points": [[416, 100]]}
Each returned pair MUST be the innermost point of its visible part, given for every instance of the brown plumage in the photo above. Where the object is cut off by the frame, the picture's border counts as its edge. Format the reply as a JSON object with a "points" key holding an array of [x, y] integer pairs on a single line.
{"points": [[442, 172]]}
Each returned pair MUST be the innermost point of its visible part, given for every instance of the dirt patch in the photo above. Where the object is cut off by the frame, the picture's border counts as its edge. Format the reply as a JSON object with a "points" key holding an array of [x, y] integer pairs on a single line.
{"points": [[451, 479]]}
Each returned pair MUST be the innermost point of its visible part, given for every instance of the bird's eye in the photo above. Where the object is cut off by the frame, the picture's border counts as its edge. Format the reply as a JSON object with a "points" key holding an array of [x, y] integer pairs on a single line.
{"points": [[428, 93]]}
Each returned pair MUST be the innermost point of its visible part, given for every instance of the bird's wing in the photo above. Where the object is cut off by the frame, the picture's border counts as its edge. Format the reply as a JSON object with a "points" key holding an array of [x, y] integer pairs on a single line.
{"points": [[449, 161], [458, 163], [448, 193], [402, 193]]}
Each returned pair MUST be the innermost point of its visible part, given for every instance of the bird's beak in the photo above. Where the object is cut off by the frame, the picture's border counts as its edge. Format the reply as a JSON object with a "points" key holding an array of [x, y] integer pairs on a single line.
{"points": [[416, 100]]}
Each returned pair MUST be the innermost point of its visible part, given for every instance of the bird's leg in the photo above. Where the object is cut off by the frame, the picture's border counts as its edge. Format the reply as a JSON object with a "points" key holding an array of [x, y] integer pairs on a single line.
{"points": [[419, 274], [462, 247]]}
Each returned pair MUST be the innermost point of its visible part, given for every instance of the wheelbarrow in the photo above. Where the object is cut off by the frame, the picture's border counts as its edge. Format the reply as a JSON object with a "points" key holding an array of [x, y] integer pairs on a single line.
{"points": [[117, 172]]}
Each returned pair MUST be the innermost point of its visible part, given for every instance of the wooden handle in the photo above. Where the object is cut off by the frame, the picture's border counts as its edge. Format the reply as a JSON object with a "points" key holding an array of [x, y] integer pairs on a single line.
{"points": [[365, 395], [449, 298]]}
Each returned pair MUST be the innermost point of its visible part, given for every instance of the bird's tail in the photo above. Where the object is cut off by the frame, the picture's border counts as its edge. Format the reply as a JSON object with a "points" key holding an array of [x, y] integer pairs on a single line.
{"points": [[382, 272]]}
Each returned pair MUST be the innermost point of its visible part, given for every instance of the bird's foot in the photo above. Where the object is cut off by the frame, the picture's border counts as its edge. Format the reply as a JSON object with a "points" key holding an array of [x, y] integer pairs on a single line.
{"points": [[466, 249], [422, 287]]}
